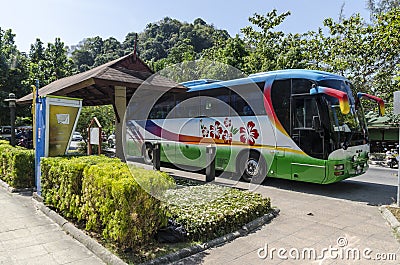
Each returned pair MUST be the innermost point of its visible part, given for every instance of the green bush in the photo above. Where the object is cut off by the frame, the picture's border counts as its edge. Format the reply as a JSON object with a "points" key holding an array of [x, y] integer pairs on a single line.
{"points": [[62, 181], [17, 166], [118, 206], [106, 196], [4, 142], [210, 211]]}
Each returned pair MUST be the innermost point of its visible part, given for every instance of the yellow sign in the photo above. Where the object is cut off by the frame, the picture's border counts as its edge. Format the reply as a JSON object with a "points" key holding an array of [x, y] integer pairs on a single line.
{"points": [[62, 119], [61, 123]]}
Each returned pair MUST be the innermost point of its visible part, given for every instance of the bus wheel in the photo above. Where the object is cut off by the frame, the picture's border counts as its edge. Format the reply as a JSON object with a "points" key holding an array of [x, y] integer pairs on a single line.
{"points": [[252, 167], [148, 153]]}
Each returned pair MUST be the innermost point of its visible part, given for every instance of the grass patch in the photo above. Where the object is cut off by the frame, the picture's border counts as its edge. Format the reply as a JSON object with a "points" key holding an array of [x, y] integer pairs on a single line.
{"points": [[210, 211], [395, 211], [206, 211]]}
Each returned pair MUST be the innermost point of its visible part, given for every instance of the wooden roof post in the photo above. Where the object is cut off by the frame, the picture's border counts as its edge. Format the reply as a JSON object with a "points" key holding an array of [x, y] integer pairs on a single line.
{"points": [[120, 107]]}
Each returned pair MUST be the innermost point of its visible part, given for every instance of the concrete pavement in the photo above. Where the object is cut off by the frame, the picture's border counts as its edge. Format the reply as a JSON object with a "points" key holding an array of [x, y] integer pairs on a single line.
{"points": [[27, 236]]}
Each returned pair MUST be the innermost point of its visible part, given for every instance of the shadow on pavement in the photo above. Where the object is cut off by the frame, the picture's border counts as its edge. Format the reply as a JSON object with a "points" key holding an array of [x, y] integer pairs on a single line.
{"points": [[357, 191], [353, 190]]}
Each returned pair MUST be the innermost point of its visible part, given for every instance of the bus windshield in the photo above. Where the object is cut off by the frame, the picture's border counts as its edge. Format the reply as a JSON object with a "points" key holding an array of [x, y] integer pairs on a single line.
{"points": [[347, 129]]}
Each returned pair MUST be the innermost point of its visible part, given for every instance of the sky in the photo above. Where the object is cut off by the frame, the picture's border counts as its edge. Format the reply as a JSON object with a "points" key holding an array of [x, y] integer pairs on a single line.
{"points": [[74, 20]]}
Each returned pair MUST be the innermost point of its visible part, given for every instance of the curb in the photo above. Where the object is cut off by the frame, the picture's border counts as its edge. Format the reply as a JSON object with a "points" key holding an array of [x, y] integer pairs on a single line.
{"points": [[15, 190], [389, 217], [383, 167], [91, 244], [189, 251]]}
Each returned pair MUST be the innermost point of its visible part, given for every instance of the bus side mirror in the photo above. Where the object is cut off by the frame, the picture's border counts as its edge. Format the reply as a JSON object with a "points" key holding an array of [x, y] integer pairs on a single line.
{"points": [[381, 103], [340, 95], [316, 124]]}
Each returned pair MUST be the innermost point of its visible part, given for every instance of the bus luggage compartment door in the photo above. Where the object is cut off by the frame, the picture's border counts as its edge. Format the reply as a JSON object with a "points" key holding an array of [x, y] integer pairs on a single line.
{"points": [[308, 172]]}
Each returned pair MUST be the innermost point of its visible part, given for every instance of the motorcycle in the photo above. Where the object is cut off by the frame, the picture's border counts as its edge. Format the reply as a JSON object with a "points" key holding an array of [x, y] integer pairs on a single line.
{"points": [[392, 159]]}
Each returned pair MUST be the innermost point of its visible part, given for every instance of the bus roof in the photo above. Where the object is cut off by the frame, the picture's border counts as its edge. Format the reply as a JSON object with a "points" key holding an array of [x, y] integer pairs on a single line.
{"points": [[203, 84]]}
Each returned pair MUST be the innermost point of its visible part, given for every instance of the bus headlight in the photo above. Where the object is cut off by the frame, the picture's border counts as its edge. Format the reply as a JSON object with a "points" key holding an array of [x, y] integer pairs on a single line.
{"points": [[339, 167]]}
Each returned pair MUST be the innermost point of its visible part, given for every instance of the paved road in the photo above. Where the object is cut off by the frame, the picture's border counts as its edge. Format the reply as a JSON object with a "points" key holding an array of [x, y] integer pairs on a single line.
{"points": [[27, 236], [317, 217]]}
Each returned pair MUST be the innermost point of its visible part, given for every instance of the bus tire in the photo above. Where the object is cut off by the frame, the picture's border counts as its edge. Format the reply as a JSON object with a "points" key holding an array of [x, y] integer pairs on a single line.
{"points": [[252, 167], [147, 152]]}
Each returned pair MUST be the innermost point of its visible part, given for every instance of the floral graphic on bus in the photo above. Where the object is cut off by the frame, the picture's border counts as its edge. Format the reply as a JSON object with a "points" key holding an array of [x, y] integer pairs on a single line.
{"points": [[227, 122], [216, 130], [249, 134], [204, 129], [227, 137]]}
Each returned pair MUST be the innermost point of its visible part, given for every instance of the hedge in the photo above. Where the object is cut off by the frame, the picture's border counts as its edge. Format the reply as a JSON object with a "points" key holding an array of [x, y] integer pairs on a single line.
{"points": [[61, 181], [17, 165], [105, 195], [209, 211]]}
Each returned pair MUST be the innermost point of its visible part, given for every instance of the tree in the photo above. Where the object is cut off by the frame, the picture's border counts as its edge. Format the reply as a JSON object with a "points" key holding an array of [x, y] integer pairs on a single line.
{"points": [[105, 115], [86, 52], [381, 6], [348, 51], [263, 44], [386, 42], [232, 52], [48, 65], [13, 69]]}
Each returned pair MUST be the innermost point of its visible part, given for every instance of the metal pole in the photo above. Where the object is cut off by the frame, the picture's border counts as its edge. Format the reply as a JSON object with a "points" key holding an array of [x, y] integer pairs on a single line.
{"points": [[12, 118], [11, 103], [156, 156], [210, 169], [398, 174]]}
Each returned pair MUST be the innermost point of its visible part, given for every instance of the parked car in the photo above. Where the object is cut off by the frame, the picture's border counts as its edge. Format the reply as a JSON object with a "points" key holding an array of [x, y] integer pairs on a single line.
{"points": [[76, 136], [111, 141], [5, 132]]}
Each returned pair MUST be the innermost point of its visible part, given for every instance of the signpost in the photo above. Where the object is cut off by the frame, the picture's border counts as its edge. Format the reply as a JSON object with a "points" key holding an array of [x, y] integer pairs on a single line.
{"points": [[94, 136], [396, 110]]}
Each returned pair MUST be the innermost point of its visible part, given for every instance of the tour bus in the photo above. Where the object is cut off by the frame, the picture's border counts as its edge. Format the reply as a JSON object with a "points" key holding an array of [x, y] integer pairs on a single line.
{"points": [[300, 125]]}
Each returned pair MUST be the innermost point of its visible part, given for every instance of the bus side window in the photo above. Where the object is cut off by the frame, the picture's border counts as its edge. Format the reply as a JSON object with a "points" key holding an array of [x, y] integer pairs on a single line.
{"points": [[187, 105], [214, 102], [163, 107], [240, 106], [280, 96], [305, 110], [301, 86]]}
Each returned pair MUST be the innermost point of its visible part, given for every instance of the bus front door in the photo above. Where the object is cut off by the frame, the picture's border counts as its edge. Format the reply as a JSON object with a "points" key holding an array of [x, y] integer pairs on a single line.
{"points": [[309, 138]]}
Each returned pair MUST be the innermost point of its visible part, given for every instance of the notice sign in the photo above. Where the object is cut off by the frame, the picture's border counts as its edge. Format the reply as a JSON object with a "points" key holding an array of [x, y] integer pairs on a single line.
{"points": [[62, 118], [396, 102], [95, 136], [60, 128]]}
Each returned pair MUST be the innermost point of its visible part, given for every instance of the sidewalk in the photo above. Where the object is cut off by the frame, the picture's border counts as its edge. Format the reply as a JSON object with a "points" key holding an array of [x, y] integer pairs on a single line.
{"points": [[27, 236]]}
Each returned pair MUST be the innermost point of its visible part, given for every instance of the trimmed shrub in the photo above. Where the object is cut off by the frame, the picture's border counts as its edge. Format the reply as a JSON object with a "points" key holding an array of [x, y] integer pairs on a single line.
{"points": [[62, 181], [210, 211], [118, 206], [103, 194], [17, 166]]}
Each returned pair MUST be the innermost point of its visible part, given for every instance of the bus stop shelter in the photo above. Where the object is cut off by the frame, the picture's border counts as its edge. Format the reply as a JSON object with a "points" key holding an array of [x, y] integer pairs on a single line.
{"points": [[112, 83]]}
